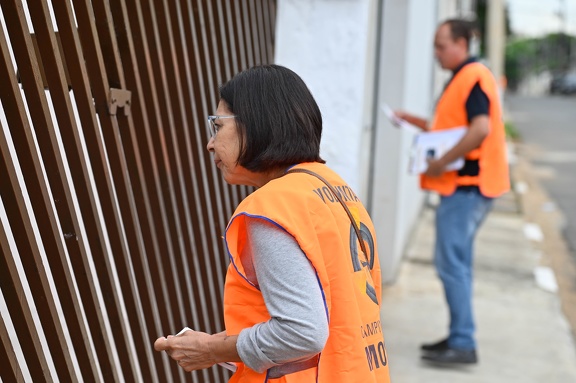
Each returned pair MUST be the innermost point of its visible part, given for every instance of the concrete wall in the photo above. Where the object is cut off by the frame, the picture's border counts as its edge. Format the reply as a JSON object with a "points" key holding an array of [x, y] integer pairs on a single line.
{"points": [[327, 43], [406, 81]]}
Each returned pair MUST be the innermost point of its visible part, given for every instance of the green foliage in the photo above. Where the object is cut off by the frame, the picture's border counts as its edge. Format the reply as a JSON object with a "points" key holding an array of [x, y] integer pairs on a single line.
{"points": [[533, 55], [511, 131]]}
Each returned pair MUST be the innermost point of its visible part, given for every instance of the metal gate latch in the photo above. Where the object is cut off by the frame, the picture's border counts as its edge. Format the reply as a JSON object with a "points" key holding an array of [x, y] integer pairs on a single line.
{"points": [[119, 98]]}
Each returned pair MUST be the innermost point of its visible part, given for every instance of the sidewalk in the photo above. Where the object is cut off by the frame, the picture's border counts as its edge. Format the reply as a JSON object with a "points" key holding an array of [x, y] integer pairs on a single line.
{"points": [[523, 335]]}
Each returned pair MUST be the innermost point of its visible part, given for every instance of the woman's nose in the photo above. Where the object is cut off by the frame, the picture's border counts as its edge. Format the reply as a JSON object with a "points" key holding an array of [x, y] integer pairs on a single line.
{"points": [[210, 145]]}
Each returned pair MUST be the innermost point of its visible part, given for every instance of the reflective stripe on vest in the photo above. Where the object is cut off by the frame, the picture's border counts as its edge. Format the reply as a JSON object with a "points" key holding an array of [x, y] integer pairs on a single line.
{"points": [[350, 280], [493, 179]]}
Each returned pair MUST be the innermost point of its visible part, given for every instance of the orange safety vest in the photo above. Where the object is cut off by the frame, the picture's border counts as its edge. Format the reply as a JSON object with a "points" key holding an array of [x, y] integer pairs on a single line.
{"points": [[493, 179], [302, 205]]}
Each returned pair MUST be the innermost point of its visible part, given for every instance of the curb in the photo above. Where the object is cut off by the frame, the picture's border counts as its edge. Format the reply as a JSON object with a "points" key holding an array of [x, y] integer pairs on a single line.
{"points": [[535, 205]]}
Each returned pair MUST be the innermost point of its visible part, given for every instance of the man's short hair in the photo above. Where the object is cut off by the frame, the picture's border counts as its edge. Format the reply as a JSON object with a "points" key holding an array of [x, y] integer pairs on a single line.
{"points": [[461, 28], [278, 120]]}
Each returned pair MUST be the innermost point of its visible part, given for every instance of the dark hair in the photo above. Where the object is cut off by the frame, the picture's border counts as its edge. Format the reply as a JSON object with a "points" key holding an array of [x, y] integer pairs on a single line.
{"points": [[462, 29], [279, 121]]}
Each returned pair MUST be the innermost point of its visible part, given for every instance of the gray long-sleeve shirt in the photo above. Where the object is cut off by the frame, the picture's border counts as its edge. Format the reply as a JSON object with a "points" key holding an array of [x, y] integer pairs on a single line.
{"points": [[298, 328]]}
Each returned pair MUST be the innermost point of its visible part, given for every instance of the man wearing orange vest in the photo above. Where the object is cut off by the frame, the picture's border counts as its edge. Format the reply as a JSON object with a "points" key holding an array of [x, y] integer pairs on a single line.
{"points": [[469, 99]]}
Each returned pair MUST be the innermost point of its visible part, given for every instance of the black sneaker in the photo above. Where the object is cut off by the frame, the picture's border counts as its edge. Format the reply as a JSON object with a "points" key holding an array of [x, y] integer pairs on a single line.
{"points": [[451, 356], [442, 345]]}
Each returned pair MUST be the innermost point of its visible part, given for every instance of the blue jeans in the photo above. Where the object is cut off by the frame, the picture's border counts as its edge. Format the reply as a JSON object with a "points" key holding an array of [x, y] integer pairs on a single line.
{"points": [[458, 218]]}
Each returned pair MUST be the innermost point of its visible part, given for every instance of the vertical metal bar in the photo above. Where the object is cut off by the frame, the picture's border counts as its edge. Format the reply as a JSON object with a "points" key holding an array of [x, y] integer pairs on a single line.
{"points": [[254, 20], [149, 35], [270, 18], [237, 20], [203, 168], [213, 54], [152, 141], [101, 316], [161, 126], [124, 235], [227, 23], [228, 55], [173, 81], [164, 20], [203, 209], [267, 33], [260, 31], [58, 86], [57, 329], [132, 146], [196, 232], [33, 345], [12, 279], [204, 96], [216, 189], [246, 33], [122, 160], [11, 370], [221, 191], [213, 64]]}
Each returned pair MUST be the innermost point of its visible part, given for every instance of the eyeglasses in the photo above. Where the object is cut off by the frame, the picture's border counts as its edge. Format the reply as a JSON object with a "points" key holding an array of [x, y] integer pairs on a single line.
{"points": [[212, 124]]}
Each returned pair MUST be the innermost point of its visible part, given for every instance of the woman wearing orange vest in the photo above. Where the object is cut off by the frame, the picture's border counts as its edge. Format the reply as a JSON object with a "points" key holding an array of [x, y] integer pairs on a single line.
{"points": [[470, 99], [302, 291]]}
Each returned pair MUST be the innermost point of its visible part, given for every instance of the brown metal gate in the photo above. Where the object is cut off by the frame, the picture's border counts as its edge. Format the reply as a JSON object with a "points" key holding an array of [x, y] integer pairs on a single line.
{"points": [[111, 209]]}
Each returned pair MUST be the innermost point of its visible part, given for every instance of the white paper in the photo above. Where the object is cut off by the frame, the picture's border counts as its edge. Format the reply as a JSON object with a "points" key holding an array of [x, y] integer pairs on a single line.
{"points": [[227, 365], [398, 122], [545, 279], [183, 331], [521, 187], [434, 145], [533, 232]]}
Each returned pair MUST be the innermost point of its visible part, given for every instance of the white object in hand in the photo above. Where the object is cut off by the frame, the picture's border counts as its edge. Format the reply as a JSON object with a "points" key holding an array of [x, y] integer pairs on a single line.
{"points": [[183, 331], [397, 121], [227, 365]]}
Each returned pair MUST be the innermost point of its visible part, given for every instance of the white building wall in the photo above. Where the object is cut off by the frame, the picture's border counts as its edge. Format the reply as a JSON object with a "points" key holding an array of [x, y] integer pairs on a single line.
{"points": [[326, 42], [406, 83]]}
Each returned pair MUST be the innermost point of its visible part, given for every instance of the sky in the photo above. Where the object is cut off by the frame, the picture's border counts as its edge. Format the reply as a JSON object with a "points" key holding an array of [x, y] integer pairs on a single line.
{"points": [[539, 17]]}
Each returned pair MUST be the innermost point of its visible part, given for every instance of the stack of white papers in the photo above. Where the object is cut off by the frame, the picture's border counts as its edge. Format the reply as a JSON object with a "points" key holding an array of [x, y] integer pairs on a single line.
{"points": [[434, 145]]}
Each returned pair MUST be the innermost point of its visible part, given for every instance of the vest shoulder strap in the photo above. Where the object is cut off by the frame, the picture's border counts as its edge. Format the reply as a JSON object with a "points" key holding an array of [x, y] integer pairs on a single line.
{"points": [[337, 195]]}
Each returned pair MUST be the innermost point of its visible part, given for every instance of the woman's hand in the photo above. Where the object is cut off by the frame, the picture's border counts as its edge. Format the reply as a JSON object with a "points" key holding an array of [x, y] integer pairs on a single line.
{"points": [[191, 350], [195, 350]]}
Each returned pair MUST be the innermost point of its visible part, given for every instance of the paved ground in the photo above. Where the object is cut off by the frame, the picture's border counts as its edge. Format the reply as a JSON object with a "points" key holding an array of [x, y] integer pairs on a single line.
{"points": [[523, 333], [547, 126]]}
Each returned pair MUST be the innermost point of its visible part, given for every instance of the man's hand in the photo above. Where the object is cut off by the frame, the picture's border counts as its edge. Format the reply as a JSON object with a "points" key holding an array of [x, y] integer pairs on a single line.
{"points": [[435, 168], [414, 120], [477, 132], [191, 349]]}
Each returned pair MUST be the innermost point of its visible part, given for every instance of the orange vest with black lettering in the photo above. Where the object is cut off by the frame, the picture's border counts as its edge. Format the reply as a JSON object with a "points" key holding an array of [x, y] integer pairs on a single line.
{"points": [[493, 179], [302, 205]]}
